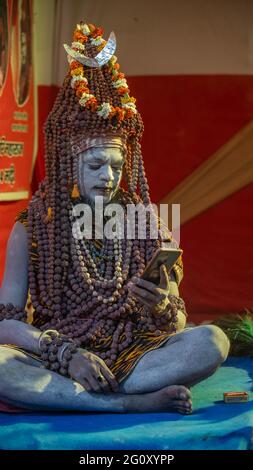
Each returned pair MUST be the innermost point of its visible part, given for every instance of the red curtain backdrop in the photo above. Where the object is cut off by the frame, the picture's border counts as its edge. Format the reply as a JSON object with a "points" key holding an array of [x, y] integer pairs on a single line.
{"points": [[186, 119]]}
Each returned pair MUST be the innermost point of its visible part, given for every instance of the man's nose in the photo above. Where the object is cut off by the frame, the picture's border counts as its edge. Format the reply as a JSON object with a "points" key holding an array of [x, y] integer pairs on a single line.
{"points": [[107, 173]]}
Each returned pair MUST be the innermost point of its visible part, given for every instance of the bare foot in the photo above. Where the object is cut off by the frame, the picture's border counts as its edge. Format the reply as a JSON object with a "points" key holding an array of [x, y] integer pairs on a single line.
{"points": [[174, 398]]}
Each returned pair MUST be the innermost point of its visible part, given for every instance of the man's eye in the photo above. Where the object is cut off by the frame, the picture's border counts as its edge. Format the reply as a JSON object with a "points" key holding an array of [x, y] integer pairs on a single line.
{"points": [[117, 168], [94, 167]]}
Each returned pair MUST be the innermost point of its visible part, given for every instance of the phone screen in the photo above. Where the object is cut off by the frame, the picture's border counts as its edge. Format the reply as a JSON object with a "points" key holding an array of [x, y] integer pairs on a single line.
{"points": [[167, 256]]}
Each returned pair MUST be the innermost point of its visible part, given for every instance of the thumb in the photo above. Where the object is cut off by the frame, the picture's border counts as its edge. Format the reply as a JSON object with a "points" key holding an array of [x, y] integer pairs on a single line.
{"points": [[164, 277]]}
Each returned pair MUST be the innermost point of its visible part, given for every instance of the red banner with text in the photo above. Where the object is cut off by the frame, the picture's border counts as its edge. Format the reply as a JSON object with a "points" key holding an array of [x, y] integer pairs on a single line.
{"points": [[17, 99]]}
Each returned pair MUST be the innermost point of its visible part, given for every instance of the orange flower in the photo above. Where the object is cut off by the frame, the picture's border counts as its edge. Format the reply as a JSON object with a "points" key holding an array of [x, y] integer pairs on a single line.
{"points": [[121, 75], [118, 76], [92, 104], [129, 113], [80, 89], [112, 113], [79, 37], [116, 66], [120, 113], [97, 32], [77, 71], [122, 90], [74, 64]]}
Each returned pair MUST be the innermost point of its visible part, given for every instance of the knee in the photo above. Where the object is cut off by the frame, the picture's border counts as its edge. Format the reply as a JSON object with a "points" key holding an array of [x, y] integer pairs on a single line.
{"points": [[216, 342], [6, 354]]}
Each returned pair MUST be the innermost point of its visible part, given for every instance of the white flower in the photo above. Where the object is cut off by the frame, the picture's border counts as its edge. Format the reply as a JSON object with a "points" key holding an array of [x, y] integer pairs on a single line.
{"points": [[97, 41], [78, 45], [85, 97], [78, 78], [85, 29], [130, 105], [104, 110], [120, 82]]}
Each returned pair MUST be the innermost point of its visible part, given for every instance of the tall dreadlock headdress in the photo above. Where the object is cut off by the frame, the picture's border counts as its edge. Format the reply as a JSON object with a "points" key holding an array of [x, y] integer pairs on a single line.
{"points": [[94, 100]]}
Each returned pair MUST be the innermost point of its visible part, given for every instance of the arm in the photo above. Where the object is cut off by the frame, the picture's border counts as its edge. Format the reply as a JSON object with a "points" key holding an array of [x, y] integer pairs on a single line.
{"points": [[14, 290], [21, 334]]}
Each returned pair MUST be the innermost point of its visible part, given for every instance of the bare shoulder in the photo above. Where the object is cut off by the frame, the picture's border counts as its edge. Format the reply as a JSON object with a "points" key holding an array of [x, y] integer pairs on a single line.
{"points": [[17, 246], [18, 234], [15, 282]]}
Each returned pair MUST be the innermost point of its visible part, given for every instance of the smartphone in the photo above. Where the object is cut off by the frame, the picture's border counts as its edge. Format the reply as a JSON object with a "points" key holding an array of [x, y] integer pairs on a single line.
{"points": [[167, 256]]}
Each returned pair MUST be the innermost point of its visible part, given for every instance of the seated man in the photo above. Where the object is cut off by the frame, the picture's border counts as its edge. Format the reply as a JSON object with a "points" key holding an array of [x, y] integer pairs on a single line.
{"points": [[101, 338]]}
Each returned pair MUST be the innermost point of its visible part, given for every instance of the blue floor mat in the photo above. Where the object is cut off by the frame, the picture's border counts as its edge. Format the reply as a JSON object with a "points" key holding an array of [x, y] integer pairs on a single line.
{"points": [[213, 424]]}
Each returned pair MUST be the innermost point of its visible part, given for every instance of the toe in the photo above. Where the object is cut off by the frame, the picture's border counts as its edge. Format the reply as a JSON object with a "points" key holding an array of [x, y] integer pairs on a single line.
{"points": [[184, 411], [184, 408], [184, 393], [186, 405]]}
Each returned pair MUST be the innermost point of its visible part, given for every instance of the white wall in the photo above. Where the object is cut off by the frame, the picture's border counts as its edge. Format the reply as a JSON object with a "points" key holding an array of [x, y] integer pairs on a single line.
{"points": [[43, 27], [154, 36]]}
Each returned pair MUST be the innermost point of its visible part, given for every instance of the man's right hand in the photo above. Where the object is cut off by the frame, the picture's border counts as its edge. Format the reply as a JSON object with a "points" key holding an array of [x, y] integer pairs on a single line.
{"points": [[85, 368]]}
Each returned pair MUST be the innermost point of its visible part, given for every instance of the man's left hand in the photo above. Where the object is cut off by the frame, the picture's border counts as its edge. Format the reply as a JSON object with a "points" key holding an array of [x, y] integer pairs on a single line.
{"points": [[154, 297]]}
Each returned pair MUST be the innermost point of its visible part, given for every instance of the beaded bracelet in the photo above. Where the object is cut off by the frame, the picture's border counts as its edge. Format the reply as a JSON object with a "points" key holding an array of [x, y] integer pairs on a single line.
{"points": [[179, 303], [12, 312], [170, 312], [61, 351], [49, 343]]}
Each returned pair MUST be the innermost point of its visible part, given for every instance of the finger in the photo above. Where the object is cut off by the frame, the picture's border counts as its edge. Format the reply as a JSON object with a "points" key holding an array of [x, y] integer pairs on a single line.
{"points": [[164, 278], [111, 379], [103, 379], [150, 303], [86, 385], [149, 286], [143, 301], [104, 384], [83, 382], [158, 294], [94, 383], [145, 294]]}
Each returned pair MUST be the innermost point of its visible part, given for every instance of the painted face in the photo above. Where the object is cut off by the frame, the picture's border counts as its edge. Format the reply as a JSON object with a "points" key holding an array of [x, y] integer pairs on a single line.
{"points": [[100, 172]]}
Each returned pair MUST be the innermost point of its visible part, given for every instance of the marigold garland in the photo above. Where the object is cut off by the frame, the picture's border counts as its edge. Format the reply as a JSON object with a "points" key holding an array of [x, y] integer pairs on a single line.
{"points": [[83, 34]]}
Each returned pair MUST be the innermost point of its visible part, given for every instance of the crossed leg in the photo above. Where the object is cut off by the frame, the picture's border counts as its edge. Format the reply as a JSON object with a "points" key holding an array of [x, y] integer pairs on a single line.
{"points": [[149, 387], [24, 384], [185, 359]]}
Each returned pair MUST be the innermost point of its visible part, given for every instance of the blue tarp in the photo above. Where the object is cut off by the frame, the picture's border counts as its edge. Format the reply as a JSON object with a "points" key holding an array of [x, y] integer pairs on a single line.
{"points": [[213, 424]]}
